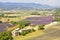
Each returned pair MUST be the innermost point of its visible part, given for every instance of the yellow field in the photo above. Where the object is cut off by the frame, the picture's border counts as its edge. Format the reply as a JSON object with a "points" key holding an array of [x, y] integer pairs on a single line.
{"points": [[29, 36], [10, 19]]}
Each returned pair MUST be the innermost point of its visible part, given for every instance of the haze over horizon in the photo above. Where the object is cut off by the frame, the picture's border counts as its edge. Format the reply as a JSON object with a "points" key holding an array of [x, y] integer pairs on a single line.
{"points": [[55, 3]]}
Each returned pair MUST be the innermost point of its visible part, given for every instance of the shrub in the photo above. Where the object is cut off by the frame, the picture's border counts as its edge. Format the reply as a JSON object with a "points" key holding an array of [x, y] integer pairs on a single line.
{"points": [[13, 22], [41, 27], [0, 21], [23, 33], [29, 30], [33, 30]]}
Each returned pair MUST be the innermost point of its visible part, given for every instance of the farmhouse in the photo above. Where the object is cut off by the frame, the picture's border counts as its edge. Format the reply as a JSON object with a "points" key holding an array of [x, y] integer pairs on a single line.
{"points": [[15, 32], [4, 26]]}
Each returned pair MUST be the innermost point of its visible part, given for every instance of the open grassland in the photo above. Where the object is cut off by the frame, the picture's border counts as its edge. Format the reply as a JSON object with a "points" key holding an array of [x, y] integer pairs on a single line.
{"points": [[29, 36], [52, 33]]}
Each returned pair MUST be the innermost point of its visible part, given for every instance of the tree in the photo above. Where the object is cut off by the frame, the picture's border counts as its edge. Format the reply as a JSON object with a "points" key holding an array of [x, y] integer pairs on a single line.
{"points": [[41, 27], [13, 22], [23, 24], [5, 36], [57, 15], [35, 13], [29, 30], [0, 21], [2, 15], [33, 30]]}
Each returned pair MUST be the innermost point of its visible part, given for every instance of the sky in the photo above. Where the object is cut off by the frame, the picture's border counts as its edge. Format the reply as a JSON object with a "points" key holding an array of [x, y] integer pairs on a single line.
{"points": [[46, 2]]}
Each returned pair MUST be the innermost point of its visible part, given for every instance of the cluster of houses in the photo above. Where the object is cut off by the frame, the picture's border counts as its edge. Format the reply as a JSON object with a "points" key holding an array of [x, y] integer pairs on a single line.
{"points": [[16, 31]]}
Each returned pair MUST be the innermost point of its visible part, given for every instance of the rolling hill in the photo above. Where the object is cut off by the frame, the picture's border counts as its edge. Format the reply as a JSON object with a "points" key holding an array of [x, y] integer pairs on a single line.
{"points": [[10, 6]]}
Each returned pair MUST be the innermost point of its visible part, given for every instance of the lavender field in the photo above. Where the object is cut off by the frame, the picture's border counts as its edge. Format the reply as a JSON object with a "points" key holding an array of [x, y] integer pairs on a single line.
{"points": [[40, 20]]}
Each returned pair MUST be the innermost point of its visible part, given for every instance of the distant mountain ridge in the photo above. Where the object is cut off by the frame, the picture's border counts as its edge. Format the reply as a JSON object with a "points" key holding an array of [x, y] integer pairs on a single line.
{"points": [[10, 6]]}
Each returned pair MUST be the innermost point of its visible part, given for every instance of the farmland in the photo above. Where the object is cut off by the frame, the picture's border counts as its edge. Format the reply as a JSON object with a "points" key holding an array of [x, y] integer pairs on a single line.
{"points": [[29, 19], [40, 20], [30, 24]]}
